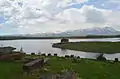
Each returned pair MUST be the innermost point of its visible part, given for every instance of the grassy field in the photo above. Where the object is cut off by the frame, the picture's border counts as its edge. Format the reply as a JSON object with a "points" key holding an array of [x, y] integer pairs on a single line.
{"points": [[85, 69], [95, 47], [13, 70], [8, 70]]}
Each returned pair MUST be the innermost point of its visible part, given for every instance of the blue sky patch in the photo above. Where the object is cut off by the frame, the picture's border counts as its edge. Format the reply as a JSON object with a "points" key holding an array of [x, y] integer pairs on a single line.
{"points": [[2, 20]]}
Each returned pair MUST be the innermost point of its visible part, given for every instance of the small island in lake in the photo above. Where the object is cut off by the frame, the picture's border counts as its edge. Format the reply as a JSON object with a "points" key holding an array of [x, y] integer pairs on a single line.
{"points": [[90, 46]]}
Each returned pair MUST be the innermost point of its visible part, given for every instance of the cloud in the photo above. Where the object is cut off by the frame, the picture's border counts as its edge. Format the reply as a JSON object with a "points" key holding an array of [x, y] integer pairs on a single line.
{"points": [[115, 1], [28, 9], [0, 25], [72, 15], [113, 18], [31, 16], [93, 14], [86, 14]]}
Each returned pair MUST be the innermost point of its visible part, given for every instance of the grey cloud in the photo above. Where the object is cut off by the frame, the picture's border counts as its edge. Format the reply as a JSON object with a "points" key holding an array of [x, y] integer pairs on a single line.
{"points": [[94, 16]]}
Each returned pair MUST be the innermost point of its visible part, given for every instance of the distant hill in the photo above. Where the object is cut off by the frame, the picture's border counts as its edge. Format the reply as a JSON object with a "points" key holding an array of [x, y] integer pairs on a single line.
{"points": [[81, 32], [94, 31]]}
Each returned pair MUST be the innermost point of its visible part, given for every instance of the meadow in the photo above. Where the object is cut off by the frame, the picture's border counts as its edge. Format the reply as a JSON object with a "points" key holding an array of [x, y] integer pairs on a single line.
{"points": [[84, 68]]}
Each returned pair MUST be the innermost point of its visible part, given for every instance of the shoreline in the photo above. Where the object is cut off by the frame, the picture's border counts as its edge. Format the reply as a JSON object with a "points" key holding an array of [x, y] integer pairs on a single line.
{"points": [[92, 46]]}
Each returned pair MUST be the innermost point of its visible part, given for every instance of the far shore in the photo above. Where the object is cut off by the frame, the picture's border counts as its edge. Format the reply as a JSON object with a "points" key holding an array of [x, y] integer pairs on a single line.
{"points": [[94, 47], [58, 37]]}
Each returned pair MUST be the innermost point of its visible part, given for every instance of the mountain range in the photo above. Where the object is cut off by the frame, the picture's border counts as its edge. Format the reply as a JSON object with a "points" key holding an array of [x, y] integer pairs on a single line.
{"points": [[80, 32]]}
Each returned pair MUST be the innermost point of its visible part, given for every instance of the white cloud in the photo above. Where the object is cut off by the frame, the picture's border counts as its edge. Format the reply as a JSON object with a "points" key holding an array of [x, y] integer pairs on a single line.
{"points": [[115, 1], [113, 19], [29, 16], [0, 25], [93, 14], [72, 15]]}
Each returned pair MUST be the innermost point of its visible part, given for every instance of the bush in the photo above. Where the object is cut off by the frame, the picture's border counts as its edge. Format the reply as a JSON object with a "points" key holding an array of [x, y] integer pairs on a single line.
{"points": [[43, 54], [32, 53], [67, 56], [101, 57], [64, 40], [55, 54], [49, 54], [78, 57], [72, 56], [116, 60]]}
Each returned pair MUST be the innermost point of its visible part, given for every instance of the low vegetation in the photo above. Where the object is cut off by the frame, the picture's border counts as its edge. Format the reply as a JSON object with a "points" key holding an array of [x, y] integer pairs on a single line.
{"points": [[85, 68], [9, 70], [95, 47]]}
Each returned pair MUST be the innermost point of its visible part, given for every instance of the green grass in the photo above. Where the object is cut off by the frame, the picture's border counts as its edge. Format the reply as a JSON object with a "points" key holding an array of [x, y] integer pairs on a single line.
{"points": [[13, 70], [8, 70], [95, 47], [85, 69]]}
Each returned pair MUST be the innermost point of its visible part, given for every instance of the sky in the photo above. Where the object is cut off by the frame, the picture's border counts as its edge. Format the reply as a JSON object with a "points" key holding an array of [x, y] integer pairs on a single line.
{"points": [[41, 16]]}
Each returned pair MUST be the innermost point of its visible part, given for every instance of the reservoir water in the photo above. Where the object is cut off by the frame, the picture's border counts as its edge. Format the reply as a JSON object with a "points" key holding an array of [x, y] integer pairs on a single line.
{"points": [[45, 46]]}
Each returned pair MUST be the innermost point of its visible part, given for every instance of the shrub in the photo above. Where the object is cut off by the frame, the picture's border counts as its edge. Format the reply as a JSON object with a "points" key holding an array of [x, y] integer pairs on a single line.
{"points": [[72, 56], [116, 60], [49, 54], [64, 40], [67, 56], [101, 57], [43, 54], [32, 53], [55, 54], [78, 57]]}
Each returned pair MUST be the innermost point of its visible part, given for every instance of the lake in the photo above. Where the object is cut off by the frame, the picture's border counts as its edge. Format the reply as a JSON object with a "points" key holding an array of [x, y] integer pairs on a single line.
{"points": [[45, 46]]}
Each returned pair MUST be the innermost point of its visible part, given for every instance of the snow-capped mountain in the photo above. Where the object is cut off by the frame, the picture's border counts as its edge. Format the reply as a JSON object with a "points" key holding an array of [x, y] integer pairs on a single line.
{"points": [[91, 31], [100, 31], [80, 32]]}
